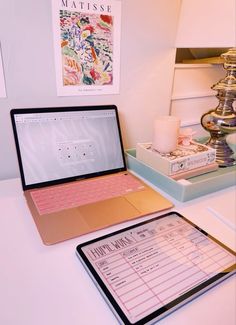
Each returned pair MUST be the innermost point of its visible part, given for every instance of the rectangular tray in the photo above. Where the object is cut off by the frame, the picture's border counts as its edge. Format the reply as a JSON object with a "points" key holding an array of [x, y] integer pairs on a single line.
{"points": [[183, 191]]}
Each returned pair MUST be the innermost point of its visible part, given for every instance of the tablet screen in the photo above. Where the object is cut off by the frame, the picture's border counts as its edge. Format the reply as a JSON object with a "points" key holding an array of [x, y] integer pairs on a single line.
{"points": [[147, 270]]}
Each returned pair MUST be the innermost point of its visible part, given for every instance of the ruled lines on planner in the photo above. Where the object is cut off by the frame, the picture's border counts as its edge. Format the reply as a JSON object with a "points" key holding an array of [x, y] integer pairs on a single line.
{"points": [[153, 265]]}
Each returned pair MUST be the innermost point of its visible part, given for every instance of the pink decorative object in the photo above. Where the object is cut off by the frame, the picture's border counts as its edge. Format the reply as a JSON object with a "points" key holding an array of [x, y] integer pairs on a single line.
{"points": [[185, 136]]}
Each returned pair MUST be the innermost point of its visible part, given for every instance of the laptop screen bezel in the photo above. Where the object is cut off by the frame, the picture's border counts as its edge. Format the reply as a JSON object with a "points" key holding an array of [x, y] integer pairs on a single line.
{"points": [[17, 111]]}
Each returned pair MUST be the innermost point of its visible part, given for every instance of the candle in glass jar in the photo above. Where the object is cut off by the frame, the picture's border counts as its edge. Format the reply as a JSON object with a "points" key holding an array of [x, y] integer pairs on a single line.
{"points": [[166, 131]]}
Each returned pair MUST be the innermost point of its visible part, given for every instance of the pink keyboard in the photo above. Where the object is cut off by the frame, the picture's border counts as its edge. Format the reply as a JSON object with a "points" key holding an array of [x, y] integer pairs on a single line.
{"points": [[70, 195]]}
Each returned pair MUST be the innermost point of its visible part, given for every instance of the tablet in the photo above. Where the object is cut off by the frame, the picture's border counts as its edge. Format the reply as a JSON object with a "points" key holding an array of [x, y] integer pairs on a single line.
{"points": [[148, 270]]}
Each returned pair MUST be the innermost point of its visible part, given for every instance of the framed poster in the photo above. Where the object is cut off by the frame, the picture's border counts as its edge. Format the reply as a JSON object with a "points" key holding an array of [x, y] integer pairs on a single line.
{"points": [[2, 81], [87, 46]]}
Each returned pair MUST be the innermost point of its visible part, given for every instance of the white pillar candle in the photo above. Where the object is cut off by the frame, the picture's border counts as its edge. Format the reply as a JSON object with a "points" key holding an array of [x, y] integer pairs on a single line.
{"points": [[166, 131]]}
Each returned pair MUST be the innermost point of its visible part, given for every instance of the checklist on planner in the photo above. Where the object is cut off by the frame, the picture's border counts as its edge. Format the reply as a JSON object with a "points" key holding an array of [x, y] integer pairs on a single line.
{"points": [[154, 266]]}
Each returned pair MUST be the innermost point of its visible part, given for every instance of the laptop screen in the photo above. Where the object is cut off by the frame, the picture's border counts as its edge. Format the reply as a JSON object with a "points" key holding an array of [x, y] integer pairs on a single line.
{"points": [[61, 144]]}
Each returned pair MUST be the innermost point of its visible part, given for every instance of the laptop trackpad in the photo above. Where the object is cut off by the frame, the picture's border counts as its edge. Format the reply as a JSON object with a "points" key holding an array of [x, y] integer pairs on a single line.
{"points": [[108, 212]]}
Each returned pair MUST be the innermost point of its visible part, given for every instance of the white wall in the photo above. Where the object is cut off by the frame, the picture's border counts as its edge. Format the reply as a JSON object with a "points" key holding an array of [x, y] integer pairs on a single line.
{"points": [[147, 65]]}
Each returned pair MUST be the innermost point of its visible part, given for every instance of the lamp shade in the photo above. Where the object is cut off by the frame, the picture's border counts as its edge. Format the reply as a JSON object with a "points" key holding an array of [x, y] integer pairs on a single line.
{"points": [[207, 23]]}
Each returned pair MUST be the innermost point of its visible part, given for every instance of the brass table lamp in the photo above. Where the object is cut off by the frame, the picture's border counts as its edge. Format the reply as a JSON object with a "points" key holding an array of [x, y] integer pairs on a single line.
{"points": [[221, 121]]}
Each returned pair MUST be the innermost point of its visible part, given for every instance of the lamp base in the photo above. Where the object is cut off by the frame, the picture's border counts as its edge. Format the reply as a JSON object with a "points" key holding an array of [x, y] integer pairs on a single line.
{"points": [[221, 121], [223, 152]]}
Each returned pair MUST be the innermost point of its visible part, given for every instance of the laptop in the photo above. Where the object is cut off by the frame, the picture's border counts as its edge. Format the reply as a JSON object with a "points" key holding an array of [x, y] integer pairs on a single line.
{"points": [[73, 171]]}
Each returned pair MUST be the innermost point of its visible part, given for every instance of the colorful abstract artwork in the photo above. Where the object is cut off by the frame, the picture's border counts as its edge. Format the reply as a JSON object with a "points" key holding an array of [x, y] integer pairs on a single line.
{"points": [[87, 47], [86, 43]]}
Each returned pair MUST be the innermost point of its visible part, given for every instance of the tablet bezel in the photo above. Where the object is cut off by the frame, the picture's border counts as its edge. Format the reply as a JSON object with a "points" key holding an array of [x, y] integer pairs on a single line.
{"points": [[171, 306]]}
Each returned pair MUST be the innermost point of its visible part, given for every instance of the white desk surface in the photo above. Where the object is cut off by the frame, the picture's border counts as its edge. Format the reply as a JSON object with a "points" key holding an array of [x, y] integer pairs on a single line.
{"points": [[47, 285]]}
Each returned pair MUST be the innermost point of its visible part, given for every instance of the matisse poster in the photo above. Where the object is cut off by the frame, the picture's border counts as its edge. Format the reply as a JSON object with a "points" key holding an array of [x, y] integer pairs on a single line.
{"points": [[2, 81], [87, 46]]}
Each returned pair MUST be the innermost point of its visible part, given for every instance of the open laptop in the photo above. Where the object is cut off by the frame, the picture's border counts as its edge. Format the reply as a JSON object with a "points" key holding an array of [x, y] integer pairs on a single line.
{"points": [[73, 171]]}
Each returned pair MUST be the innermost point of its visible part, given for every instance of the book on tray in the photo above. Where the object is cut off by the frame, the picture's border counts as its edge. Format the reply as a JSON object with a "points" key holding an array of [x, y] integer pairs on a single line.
{"points": [[184, 162]]}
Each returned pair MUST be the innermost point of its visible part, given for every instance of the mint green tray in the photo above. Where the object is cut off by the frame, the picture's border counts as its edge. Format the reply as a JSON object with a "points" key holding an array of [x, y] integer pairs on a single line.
{"points": [[197, 186]]}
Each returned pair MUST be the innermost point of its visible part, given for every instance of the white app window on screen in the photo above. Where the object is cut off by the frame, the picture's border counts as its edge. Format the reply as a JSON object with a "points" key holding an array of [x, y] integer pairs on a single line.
{"points": [[60, 145]]}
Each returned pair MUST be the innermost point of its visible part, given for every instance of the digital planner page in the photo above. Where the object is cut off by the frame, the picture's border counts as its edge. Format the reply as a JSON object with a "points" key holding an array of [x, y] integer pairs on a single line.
{"points": [[149, 266]]}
